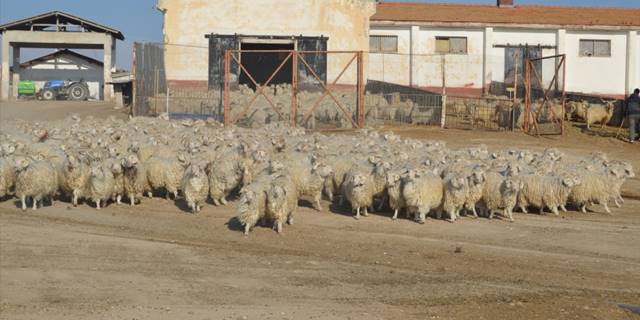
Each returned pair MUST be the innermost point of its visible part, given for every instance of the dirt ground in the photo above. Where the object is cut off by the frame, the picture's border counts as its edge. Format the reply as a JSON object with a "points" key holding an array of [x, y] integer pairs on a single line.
{"points": [[56, 110], [155, 261]]}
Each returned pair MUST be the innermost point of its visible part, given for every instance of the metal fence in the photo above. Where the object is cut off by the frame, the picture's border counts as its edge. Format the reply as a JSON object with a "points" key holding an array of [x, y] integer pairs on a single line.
{"points": [[149, 76], [266, 86], [544, 104]]}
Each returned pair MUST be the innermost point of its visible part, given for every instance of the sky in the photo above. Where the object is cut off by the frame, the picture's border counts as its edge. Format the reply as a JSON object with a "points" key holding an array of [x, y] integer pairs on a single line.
{"points": [[139, 21]]}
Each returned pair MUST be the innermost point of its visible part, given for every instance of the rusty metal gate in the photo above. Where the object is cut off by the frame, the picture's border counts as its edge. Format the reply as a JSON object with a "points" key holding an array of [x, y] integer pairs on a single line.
{"points": [[545, 102], [267, 86]]}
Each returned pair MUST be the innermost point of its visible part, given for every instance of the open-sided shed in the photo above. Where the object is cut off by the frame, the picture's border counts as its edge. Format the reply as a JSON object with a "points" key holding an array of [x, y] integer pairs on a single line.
{"points": [[56, 30]]}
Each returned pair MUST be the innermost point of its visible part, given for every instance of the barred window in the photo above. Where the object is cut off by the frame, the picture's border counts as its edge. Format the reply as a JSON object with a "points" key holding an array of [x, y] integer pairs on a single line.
{"points": [[595, 48], [386, 44], [454, 45]]}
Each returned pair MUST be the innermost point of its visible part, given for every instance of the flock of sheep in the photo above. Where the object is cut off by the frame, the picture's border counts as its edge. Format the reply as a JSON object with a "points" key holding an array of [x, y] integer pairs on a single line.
{"points": [[270, 169]]}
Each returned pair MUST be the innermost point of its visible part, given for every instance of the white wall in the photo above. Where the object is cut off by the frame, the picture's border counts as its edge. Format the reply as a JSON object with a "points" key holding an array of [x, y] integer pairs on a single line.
{"points": [[393, 68], [462, 70], [344, 22], [66, 68], [597, 75]]}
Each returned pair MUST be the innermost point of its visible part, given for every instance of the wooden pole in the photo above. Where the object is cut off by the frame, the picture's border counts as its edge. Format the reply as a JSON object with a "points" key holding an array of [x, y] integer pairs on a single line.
{"points": [[443, 113]]}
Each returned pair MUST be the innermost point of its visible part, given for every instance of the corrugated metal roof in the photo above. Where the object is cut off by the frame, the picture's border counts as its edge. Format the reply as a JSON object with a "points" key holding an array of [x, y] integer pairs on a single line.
{"points": [[487, 14], [53, 16]]}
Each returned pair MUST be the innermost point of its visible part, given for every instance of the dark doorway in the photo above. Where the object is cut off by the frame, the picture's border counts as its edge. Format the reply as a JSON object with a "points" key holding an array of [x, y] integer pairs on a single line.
{"points": [[261, 65], [519, 55]]}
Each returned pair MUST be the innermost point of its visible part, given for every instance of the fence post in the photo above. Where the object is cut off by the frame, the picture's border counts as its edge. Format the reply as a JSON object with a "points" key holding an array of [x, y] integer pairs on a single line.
{"points": [[167, 100], [294, 89], [443, 115], [134, 85], [227, 69], [360, 84]]}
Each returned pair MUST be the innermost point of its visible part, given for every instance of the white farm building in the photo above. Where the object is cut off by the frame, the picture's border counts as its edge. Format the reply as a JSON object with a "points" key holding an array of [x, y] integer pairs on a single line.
{"points": [[602, 45], [406, 41]]}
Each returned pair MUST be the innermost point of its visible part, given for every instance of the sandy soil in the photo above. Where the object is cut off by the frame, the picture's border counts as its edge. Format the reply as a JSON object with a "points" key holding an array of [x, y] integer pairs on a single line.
{"points": [[156, 261], [56, 110]]}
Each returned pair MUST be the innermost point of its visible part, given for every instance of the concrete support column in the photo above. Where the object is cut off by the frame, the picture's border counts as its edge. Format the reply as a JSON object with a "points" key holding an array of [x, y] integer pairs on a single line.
{"points": [[413, 51], [561, 48], [16, 71], [632, 78], [107, 65], [486, 59], [4, 78]]}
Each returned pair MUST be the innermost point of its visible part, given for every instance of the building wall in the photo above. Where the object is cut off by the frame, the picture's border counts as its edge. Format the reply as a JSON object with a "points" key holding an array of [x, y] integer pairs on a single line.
{"points": [[597, 75], [344, 22], [66, 68]]}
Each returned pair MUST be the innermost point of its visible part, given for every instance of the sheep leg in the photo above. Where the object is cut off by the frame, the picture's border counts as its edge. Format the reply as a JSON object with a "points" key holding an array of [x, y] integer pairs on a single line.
{"points": [[149, 194], [247, 228], [616, 202], [523, 209], [357, 213], [475, 213], [223, 201], [365, 213], [198, 208], [118, 199], [554, 209], [422, 216], [563, 208], [132, 199], [452, 216], [606, 207], [98, 204], [542, 210], [316, 202], [167, 195], [508, 212], [395, 214], [35, 203], [382, 201], [278, 226], [290, 219], [583, 208], [216, 202], [490, 214], [23, 199], [74, 199]]}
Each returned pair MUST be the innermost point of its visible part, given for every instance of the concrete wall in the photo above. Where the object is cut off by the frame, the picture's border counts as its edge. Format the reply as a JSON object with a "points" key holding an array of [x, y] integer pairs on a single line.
{"points": [[595, 75], [344, 22], [66, 67], [598, 75]]}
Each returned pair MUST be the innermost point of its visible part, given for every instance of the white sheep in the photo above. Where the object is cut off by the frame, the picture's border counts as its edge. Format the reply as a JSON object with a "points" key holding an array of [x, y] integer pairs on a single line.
{"points": [[135, 179], [282, 201], [74, 178], [225, 175], [475, 183], [455, 195], [36, 180], [195, 186], [395, 184], [7, 175], [423, 193], [101, 184], [596, 188], [499, 193], [543, 191], [253, 201], [600, 114], [166, 173]]}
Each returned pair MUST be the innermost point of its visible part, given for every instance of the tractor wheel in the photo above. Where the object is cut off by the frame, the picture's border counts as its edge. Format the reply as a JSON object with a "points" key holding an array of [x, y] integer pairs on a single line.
{"points": [[48, 94], [78, 91]]}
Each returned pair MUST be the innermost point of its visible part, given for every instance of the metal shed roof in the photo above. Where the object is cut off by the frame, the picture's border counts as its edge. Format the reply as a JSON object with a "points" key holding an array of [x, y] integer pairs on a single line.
{"points": [[53, 17]]}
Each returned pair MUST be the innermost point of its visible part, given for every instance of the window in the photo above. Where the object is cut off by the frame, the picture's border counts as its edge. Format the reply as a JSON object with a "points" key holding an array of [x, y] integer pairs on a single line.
{"points": [[455, 45], [595, 48], [387, 44]]}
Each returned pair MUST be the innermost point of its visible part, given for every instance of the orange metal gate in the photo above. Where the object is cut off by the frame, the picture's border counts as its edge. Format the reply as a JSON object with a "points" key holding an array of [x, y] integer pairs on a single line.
{"points": [[298, 64]]}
